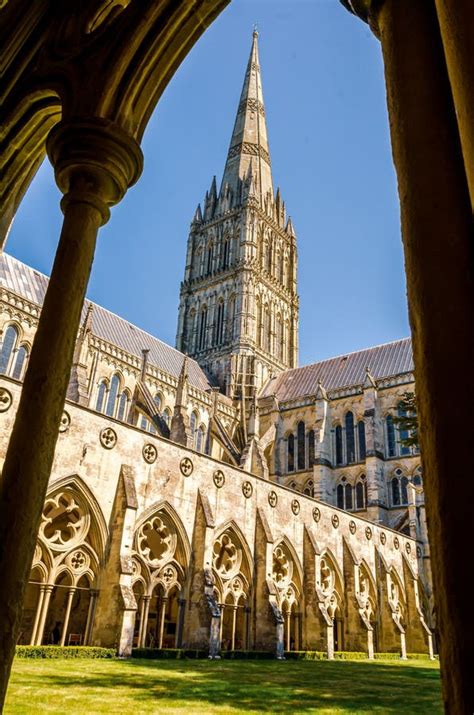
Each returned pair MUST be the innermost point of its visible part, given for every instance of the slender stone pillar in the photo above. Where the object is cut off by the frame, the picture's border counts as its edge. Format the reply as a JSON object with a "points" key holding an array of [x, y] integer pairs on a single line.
{"points": [[94, 161], [146, 609], [456, 21], [437, 232], [48, 590], [140, 627], [90, 616], [70, 596], [38, 614], [162, 622], [179, 630]]}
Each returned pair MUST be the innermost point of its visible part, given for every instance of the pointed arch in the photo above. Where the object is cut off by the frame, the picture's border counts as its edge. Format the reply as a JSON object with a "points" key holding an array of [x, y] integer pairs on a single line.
{"points": [[165, 507], [284, 540], [328, 554], [232, 525], [98, 528]]}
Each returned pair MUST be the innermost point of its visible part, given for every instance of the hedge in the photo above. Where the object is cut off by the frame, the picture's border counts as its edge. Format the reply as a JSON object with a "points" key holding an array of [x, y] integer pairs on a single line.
{"points": [[180, 653], [57, 651]]}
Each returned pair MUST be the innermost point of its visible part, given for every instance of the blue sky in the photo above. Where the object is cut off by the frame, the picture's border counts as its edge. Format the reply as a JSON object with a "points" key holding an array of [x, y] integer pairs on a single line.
{"points": [[329, 141]]}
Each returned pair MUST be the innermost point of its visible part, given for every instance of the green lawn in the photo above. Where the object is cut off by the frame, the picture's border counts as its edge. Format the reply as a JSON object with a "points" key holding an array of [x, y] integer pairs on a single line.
{"points": [[144, 686]]}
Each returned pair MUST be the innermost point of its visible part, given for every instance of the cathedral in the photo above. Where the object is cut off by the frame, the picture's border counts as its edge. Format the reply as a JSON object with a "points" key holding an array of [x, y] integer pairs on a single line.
{"points": [[216, 496]]}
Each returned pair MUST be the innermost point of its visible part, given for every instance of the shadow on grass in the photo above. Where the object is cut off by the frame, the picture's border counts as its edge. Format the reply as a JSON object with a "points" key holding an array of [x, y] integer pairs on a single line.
{"points": [[263, 686]]}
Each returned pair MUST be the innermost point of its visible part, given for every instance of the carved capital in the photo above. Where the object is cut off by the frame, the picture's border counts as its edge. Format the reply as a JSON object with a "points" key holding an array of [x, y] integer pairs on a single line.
{"points": [[367, 10], [95, 162]]}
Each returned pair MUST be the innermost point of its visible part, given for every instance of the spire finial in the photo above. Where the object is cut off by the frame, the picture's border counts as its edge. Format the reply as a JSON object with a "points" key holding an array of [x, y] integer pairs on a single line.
{"points": [[255, 30]]}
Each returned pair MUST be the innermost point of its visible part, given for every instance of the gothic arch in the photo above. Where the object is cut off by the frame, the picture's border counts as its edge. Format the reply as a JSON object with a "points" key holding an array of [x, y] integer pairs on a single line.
{"points": [[183, 548], [99, 528], [284, 540]]}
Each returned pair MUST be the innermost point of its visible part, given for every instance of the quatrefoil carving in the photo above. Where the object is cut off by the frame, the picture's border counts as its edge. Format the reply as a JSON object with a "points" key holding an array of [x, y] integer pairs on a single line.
{"points": [[156, 541], [150, 453], [79, 561], [272, 499], [186, 466], [108, 438], [65, 422], [63, 523], [247, 489], [219, 478], [227, 556], [5, 399]]}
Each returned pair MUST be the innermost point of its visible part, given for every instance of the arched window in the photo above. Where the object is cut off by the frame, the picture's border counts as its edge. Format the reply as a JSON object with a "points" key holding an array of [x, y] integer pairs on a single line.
{"points": [[395, 492], [348, 497], [360, 495], [230, 319], [361, 433], [345, 495], [219, 334], [8, 345], [112, 398], [350, 441], [201, 439], [417, 478], [193, 426], [311, 458], [101, 393], [404, 490], [144, 424], [209, 258], [301, 445], [291, 453], [338, 444], [391, 441], [340, 496], [158, 402], [202, 328], [167, 415], [18, 367], [122, 405], [403, 433], [225, 254], [309, 488]]}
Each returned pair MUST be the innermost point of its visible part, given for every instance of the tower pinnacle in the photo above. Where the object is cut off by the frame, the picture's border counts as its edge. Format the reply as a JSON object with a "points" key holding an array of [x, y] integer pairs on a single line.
{"points": [[249, 143]]}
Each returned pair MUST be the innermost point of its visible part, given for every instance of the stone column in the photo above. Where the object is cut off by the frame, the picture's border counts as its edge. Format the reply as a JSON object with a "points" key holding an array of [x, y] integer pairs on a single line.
{"points": [[70, 596], [94, 161], [143, 627], [179, 630], [162, 622], [90, 615], [48, 590], [39, 607], [456, 22], [431, 126]]}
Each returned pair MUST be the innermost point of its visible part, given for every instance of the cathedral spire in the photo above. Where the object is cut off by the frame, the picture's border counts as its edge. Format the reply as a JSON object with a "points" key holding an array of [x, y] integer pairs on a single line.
{"points": [[249, 143]]}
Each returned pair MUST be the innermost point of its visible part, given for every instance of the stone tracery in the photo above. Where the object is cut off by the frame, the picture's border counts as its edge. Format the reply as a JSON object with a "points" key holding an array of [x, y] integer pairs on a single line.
{"points": [[64, 571]]}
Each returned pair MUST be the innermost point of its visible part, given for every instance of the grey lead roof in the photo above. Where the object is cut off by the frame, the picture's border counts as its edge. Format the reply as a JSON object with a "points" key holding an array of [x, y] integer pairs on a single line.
{"points": [[30, 284], [343, 371]]}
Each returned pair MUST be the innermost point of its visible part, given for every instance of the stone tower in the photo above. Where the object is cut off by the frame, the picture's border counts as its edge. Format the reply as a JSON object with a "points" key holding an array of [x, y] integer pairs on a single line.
{"points": [[238, 314]]}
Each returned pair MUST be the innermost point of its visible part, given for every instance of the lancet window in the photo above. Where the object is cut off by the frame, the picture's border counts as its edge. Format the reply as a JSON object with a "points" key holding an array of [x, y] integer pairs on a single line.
{"points": [[301, 446], [12, 358], [399, 489], [202, 328], [350, 440], [291, 453]]}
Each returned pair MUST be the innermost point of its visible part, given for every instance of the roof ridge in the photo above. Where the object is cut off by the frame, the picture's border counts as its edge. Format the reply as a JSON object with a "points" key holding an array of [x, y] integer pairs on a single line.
{"points": [[110, 312], [342, 355]]}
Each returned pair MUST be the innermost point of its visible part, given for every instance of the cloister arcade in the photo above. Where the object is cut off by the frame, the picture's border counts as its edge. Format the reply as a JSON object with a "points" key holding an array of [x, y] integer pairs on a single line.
{"points": [[62, 589]]}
